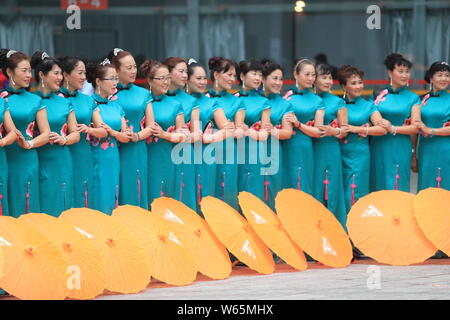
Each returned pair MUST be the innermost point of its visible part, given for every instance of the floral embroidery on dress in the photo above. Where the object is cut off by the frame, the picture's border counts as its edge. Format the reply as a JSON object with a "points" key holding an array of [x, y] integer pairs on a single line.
{"points": [[156, 139], [1, 130], [407, 122], [142, 123], [64, 130], [256, 126], [104, 143], [288, 95], [4, 95], [381, 97], [30, 131], [425, 100]]}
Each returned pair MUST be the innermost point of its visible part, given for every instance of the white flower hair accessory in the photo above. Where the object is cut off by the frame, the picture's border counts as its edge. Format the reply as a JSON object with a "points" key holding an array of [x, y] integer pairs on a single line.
{"points": [[191, 61], [116, 51], [443, 62], [105, 62], [10, 53], [44, 55]]}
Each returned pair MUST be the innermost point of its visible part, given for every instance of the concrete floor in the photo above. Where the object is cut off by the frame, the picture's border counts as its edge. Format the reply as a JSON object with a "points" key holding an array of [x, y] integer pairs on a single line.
{"points": [[364, 280]]}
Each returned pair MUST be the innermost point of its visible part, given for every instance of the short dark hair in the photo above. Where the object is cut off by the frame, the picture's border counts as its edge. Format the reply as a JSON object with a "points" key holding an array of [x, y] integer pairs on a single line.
{"points": [[222, 65], [249, 65], [13, 61], [97, 70], [396, 59], [269, 67], [434, 68], [41, 62], [346, 71]]}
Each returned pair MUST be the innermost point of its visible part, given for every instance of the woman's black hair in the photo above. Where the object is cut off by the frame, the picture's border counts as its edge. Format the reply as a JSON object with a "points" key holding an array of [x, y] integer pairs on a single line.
{"points": [[248, 65], [96, 70], [219, 64], [268, 67], [11, 62], [191, 67], [437, 66], [322, 69], [396, 59], [68, 64], [40, 61]]}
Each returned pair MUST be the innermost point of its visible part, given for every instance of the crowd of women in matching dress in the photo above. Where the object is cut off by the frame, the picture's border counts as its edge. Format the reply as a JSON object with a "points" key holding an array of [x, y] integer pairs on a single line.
{"points": [[61, 148]]}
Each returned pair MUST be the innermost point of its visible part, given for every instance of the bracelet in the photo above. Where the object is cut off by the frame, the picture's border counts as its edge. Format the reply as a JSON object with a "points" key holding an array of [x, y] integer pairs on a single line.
{"points": [[30, 143], [137, 136], [413, 150], [339, 133], [367, 131], [65, 140], [394, 130], [433, 132]]}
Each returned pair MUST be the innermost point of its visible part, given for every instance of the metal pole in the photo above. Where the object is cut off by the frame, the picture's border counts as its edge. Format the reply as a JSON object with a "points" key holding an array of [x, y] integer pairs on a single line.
{"points": [[193, 17]]}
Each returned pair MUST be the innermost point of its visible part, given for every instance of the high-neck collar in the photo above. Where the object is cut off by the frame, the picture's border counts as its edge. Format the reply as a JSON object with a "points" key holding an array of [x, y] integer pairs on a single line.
{"points": [[272, 96], [158, 98], [66, 92], [295, 90], [14, 91], [437, 93], [252, 92], [174, 93], [392, 91], [354, 101], [99, 100], [44, 96], [218, 94], [197, 94], [121, 87]]}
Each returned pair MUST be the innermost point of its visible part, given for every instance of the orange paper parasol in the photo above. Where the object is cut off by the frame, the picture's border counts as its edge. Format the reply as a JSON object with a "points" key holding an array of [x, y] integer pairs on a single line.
{"points": [[314, 228], [172, 262], [432, 212], [34, 267], [268, 227], [382, 225], [127, 262], [87, 269], [210, 254], [237, 235]]}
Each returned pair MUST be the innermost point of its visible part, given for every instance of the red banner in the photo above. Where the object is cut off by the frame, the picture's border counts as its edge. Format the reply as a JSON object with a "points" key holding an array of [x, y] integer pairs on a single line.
{"points": [[85, 4]]}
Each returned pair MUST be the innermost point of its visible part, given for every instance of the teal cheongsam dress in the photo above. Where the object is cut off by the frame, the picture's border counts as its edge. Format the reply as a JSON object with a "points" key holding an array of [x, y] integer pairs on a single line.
{"points": [[355, 152], [185, 171], [298, 150], [3, 165], [205, 153], [391, 154], [23, 165], [434, 151], [328, 186], [227, 152], [274, 170], [161, 166], [55, 161], [133, 155], [82, 159], [251, 172], [106, 158]]}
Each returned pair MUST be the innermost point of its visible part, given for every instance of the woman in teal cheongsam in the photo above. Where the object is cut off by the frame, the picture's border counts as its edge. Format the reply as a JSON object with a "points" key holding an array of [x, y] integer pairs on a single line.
{"points": [[7, 136], [74, 72], [355, 149], [282, 118], [391, 154], [55, 160], [257, 118], [223, 75], [210, 115], [105, 150], [434, 140], [168, 120], [137, 106], [328, 186], [28, 114], [298, 151], [185, 186]]}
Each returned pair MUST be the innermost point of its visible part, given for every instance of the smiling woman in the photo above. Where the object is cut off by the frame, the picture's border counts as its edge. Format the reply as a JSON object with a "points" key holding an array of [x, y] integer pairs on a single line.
{"points": [[55, 160], [26, 110]]}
